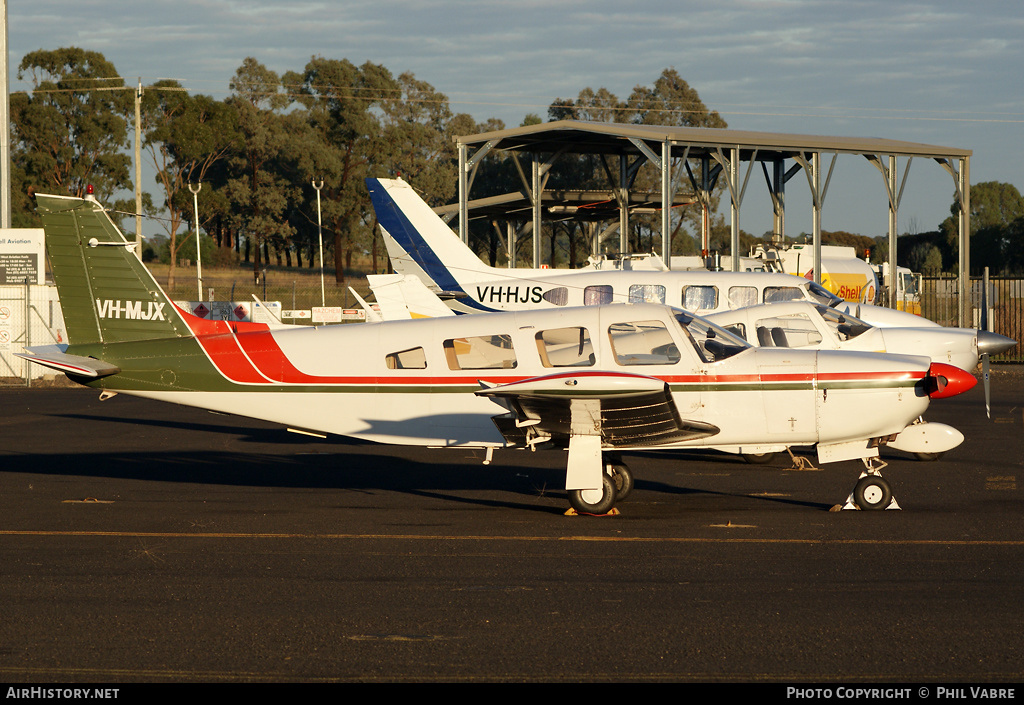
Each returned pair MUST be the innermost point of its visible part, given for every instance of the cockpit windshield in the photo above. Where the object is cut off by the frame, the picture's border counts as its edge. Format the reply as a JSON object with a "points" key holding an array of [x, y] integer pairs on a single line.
{"points": [[821, 295], [712, 342], [846, 326]]}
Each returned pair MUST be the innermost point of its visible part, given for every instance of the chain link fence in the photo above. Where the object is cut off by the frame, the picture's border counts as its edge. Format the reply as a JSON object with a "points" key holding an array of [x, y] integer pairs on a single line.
{"points": [[29, 316], [940, 302]]}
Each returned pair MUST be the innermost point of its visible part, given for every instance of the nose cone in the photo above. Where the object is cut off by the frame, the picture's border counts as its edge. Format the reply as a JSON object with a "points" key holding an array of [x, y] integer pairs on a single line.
{"points": [[947, 381], [992, 343]]}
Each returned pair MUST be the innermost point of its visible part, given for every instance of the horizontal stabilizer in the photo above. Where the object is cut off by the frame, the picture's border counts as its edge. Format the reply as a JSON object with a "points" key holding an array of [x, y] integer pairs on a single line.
{"points": [[401, 297], [54, 357]]}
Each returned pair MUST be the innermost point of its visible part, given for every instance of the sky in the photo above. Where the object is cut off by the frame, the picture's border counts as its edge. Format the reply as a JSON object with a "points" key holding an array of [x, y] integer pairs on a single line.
{"points": [[940, 72]]}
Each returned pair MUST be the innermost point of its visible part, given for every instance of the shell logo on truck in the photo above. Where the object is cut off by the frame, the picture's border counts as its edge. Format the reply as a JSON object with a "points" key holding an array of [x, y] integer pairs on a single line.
{"points": [[850, 286]]}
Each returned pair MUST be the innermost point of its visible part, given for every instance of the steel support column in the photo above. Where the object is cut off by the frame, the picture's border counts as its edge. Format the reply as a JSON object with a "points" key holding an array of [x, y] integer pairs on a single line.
{"points": [[667, 196], [964, 187], [463, 195], [818, 191]]}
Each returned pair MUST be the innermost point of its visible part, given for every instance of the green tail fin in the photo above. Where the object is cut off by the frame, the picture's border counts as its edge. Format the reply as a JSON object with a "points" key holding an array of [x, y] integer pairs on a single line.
{"points": [[106, 294]]}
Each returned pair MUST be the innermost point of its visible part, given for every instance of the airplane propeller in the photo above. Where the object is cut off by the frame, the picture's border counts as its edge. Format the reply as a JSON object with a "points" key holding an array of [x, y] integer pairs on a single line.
{"points": [[989, 343]]}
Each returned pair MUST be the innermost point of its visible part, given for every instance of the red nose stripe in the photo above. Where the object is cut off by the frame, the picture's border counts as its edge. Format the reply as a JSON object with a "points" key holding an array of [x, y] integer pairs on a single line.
{"points": [[949, 380]]}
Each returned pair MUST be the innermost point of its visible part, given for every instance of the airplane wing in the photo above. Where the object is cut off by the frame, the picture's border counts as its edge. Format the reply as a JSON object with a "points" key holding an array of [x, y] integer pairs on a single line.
{"points": [[54, 357], [588, 412]]}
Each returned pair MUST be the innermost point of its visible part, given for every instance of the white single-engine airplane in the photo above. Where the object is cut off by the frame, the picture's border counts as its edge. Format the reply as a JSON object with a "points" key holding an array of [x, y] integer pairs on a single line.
{"points": [[421, 244], [800, 324], [594, 380]]}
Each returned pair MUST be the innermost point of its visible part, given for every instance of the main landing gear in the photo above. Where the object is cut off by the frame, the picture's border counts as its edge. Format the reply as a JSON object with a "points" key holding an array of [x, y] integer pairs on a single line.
{"points": [[616, 484], [872, 492]]}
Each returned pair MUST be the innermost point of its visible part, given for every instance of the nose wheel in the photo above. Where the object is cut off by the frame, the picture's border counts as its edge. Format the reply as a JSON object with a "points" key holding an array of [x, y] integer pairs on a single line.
{"points": [[872, 492]]}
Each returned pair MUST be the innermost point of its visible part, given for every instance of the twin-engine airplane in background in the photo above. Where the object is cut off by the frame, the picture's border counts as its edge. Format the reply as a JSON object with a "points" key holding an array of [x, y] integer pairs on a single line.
{"points": [[594, 380], [420, 243]]}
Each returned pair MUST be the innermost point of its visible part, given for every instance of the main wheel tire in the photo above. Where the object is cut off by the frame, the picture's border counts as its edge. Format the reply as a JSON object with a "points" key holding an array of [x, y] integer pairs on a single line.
{"points": [[927, 456], [594, 501], [622, 476], [758, 458], [872, 493]]}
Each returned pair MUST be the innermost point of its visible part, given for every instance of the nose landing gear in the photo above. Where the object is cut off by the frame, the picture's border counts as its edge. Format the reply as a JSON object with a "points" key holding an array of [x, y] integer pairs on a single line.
{"points": [[872, 492]]}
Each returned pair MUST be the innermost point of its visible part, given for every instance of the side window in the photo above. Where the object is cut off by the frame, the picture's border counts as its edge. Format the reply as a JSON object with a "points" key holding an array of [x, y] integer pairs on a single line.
{"points": [[647, 294], [558, 296], [711, 342], [597, 295], [700, 298], [742, 296], [846, 327], [643, 343], [485, 352], [782, 293], [738, 329], [795, 331], [411, 359], [565, 347]]}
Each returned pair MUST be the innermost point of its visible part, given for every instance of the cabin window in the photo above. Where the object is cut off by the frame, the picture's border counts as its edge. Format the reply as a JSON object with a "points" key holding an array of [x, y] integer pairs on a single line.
{"points": [[643, 343], [483, 352], [700, 298], [411, 359], [773, 294], [792, 331], [647, 294], [738, 329], [846, 327], [597, 295], [558, 296], [742, 296], [711, 342], [816, 292], [565, 347]]}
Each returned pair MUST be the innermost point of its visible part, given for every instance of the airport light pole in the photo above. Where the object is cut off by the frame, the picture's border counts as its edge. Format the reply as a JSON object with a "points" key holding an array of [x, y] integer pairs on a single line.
{"points": [[5, 134], [320, 234], [199, 254]]}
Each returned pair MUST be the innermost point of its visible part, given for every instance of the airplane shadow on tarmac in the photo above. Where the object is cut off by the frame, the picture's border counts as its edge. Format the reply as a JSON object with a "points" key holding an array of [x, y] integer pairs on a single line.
{"points": [[289, 460]]}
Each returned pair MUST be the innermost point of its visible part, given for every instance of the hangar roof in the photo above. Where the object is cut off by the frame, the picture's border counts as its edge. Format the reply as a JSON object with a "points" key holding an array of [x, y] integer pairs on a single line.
{"points": [[614, 138]]}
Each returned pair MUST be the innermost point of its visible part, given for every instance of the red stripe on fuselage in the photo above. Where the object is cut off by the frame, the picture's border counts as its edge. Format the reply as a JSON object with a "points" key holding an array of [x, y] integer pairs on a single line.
{"points": [[217, 338], [248, 353]]}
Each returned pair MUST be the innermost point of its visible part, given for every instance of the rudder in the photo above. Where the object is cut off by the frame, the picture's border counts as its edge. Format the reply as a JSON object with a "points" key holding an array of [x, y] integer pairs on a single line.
{"points": [[106, 294]]}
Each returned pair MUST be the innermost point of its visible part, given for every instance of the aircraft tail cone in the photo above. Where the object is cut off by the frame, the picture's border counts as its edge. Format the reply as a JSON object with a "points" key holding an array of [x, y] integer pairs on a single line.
{"points": [[947, 381]]}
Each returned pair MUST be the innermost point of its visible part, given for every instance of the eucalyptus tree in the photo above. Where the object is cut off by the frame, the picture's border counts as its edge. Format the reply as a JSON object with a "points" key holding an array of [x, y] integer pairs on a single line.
{"points": [[71, 130], [185, 137], [343, 105], [670, 100], [997, 229], [416, 144], [258, 193]]}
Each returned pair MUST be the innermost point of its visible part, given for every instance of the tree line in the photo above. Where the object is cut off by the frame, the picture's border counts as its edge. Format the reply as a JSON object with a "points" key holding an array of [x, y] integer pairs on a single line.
{"points": [[261, 153]]}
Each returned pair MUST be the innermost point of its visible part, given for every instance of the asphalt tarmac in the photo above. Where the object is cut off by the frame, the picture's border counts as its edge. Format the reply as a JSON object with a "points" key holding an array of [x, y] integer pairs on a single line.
{"points": [[142, 542]]}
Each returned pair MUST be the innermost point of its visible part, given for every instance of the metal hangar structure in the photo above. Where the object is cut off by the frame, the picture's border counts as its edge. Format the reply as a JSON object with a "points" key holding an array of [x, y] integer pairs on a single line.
{"points": [[696, 159]]}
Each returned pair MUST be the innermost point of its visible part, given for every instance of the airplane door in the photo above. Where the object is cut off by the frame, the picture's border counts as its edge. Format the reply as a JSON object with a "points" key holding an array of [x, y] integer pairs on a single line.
{"points": [[790, 403], [651, 347]]}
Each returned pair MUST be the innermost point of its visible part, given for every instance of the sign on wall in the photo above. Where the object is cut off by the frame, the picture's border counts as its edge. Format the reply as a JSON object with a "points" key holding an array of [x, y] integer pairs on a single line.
{"points": [[21, 256]]}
